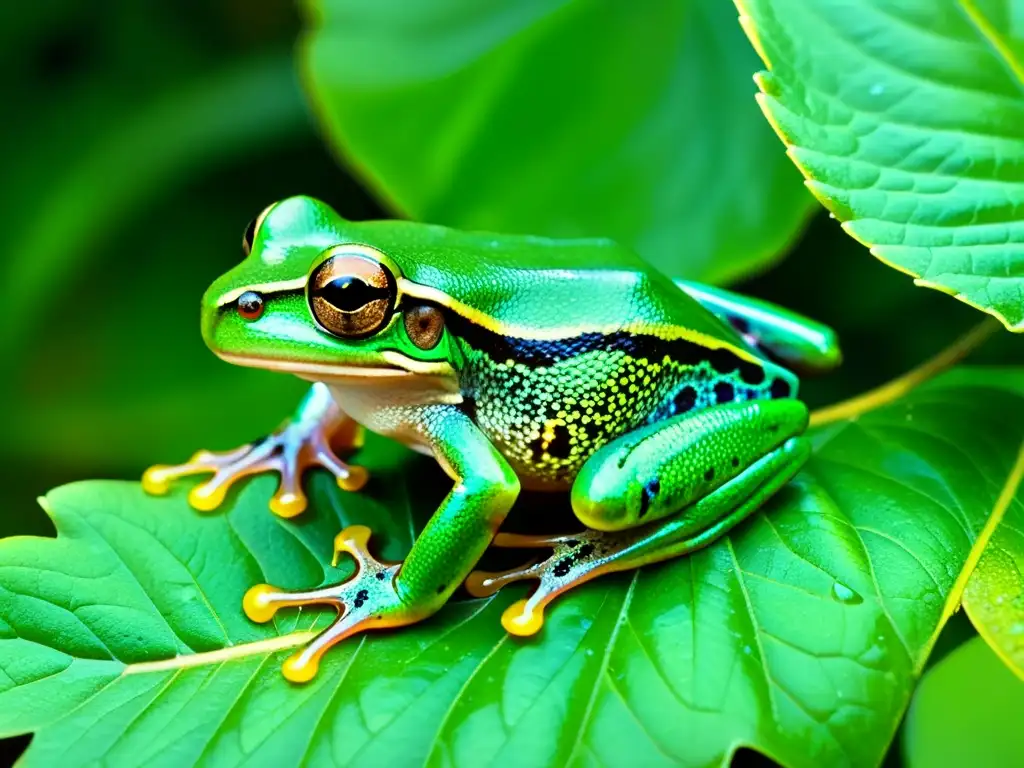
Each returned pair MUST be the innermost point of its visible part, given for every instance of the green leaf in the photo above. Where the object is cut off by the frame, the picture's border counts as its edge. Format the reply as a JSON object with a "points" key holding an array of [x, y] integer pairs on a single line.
{"points": [[994, 597], [800, 635], [570, 118], [942, 731], [906, 117]]}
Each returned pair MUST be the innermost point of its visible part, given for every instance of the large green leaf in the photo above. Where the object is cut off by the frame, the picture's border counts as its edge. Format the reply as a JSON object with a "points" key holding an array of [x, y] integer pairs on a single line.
{"points": [[800, 635], [905, 116], [966, 712], [574, 117]]}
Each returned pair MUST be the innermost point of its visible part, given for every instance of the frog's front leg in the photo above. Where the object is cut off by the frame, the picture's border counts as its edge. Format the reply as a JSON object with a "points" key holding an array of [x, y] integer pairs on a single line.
{"points": [[657, 493], [383, 595], [306, 440]]}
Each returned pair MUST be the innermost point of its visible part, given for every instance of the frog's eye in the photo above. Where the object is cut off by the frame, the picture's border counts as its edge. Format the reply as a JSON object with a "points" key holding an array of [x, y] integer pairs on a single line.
{"points": [[250, 305], [424, 326], [351, 296], [249, 236]]}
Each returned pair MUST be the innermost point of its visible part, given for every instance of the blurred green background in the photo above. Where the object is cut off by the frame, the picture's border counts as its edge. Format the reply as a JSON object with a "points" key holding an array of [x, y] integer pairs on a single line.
{"points": [[138, 141]]}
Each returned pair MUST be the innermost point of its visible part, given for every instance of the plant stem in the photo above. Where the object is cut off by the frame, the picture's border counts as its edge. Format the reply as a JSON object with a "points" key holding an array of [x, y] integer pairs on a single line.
{"points": [[898, 387]]}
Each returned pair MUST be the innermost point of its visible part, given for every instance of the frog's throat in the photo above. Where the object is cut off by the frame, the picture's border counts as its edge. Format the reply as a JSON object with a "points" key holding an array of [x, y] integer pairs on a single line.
{"points": [[398, 366]]}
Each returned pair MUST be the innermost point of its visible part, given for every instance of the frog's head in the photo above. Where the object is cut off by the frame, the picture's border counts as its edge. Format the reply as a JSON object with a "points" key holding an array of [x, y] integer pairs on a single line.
{"points": [[314, 298]]}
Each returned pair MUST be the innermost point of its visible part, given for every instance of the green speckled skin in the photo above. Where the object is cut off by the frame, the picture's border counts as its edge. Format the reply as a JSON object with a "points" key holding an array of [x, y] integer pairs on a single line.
{"points": [[548, 417], [540, 363]]}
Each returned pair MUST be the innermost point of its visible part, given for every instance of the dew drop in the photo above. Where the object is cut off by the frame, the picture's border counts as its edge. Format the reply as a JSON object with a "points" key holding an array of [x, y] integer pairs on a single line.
{"points": [[843, 594], [747, 650], [873, 656]]}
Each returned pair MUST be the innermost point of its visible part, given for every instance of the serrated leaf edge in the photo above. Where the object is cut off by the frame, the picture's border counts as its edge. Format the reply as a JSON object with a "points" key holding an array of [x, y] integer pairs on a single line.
{"points": [[1009, 491], [746, 21]]}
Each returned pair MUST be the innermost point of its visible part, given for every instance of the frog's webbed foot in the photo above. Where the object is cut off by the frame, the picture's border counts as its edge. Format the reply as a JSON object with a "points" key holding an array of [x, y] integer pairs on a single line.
{"points": [[308, 440], [576, 558], [580, 557], [367, 600]]}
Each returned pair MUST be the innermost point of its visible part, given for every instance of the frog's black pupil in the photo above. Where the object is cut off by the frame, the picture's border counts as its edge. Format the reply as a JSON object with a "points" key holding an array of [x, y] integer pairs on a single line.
{"points": [[248, 236], [350, 293]]}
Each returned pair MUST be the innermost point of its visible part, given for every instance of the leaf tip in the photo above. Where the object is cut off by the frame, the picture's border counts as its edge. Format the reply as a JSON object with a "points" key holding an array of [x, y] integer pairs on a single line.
{"points": [[44, 503], [921, 282]]}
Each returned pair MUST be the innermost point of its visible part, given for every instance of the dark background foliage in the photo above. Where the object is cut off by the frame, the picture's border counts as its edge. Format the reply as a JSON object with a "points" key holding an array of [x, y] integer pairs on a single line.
{"points": [[138, 140]]}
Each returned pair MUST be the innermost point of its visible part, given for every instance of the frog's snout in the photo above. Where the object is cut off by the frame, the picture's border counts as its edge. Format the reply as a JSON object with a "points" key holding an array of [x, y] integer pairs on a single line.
{"points": [[208, 327]]}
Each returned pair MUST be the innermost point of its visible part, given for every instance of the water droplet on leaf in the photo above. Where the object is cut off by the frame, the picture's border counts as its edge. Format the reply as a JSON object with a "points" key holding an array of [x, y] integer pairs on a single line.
{"points": [[843, 594]]}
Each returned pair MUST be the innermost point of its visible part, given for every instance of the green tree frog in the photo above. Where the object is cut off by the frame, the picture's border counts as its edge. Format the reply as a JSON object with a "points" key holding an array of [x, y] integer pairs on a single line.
{"points": [[666, 409]]}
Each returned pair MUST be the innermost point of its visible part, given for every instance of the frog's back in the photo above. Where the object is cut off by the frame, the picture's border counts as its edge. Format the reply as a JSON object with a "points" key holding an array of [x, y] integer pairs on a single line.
{"points": [[525, 286], [571, 343]]}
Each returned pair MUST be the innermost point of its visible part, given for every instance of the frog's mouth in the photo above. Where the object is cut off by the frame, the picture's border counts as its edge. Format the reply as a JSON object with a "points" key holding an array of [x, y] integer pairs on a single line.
{"points": [[400, 367]]}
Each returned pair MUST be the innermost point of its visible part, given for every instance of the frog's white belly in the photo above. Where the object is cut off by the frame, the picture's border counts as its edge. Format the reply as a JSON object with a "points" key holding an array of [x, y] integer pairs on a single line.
{"points": [[392, 407]]}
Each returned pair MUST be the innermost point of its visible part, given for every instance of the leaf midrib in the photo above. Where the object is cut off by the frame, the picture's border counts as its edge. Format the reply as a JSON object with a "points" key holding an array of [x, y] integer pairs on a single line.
{"points": [[980, 23], [228, 653]]}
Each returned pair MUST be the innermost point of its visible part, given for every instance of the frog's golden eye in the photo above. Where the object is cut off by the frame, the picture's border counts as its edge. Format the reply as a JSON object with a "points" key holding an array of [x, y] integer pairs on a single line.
{"points": [[351, 296], [425, 325]]}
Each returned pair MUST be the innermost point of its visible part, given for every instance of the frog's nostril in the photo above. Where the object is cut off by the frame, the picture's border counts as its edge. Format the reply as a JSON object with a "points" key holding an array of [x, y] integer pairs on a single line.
{"points": [[250, 305]]}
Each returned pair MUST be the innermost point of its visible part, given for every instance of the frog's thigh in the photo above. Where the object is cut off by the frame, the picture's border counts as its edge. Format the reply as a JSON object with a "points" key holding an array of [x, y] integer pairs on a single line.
{"points": [[662, 468], [658, 493], [578, 558]]}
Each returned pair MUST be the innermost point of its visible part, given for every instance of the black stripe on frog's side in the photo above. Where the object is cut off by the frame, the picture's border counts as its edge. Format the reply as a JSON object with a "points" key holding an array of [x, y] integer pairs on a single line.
{"points": [[542, 353]]}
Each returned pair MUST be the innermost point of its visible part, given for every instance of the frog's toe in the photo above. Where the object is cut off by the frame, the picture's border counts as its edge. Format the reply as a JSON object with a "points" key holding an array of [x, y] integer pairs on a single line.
{"points": [[576, 559], [367, 600], [289, 500], [157, 479], [348, 476], [289, 452]]}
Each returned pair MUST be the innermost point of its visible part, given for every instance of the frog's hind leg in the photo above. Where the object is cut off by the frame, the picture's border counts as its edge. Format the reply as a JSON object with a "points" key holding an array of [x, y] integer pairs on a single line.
{"points": [[792, 339], [699, 487], [307, 439]]}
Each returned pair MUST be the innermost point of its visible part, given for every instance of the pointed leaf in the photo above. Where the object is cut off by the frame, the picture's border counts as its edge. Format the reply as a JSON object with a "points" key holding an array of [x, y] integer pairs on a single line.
{"points": [[905, 116]]}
